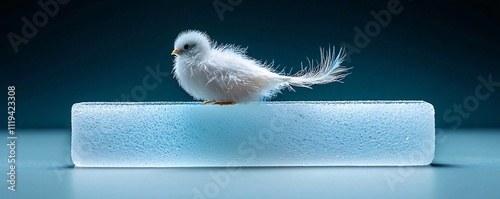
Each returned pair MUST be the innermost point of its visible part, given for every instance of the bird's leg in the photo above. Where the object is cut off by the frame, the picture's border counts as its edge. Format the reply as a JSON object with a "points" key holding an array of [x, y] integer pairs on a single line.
{"points": [[208, 101], [224, 103]]}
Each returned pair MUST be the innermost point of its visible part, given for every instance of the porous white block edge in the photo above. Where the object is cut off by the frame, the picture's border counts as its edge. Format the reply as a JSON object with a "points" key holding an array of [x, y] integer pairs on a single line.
{"points": [[294, 133]]}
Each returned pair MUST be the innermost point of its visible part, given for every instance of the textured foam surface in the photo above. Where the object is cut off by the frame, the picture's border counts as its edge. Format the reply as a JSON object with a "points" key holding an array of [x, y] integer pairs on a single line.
{"points": [[184, 134]]}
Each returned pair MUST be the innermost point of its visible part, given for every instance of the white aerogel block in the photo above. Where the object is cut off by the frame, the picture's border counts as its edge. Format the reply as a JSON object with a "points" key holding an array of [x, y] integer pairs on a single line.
{"points": [[189, 134]]}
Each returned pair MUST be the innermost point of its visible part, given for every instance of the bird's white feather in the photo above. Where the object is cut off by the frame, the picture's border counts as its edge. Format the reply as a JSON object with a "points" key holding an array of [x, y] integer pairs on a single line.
{"points": [[327, 70]]}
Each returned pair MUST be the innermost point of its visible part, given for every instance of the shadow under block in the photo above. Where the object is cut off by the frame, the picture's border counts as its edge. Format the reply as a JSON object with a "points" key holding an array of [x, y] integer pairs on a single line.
{"points": [[298, 133]]}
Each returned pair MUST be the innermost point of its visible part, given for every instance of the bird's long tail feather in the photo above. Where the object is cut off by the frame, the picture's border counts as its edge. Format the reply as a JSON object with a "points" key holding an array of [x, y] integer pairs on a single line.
{"points": [[327, 70]]}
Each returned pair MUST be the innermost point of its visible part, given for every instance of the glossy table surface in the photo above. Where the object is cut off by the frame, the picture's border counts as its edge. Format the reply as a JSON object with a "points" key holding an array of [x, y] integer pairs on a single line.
{"points": [[466, 165]]}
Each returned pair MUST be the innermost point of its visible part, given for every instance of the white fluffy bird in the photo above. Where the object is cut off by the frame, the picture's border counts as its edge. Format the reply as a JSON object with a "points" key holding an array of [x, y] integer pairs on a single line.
{"points": [[224, 74]]}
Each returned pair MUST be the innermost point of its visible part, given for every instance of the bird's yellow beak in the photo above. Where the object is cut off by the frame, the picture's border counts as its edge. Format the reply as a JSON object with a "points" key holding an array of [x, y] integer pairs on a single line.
{"points": [[176, 52]]}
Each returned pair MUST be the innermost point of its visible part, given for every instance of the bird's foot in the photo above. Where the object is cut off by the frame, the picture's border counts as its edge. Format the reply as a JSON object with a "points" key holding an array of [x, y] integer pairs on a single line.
{"points": [[218, 102], [208, 102], [224, 103]]}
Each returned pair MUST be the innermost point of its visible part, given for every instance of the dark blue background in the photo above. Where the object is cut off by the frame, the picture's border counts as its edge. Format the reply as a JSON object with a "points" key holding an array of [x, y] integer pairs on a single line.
{"points": [[99, 51]]}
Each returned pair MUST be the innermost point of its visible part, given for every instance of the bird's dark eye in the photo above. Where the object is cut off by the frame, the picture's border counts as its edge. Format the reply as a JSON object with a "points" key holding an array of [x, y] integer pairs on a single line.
{"points": [[186, 46]]}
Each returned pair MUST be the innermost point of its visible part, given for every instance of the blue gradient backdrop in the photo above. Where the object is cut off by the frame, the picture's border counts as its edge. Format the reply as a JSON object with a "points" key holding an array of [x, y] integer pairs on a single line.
{"points": [[100, 51]]}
